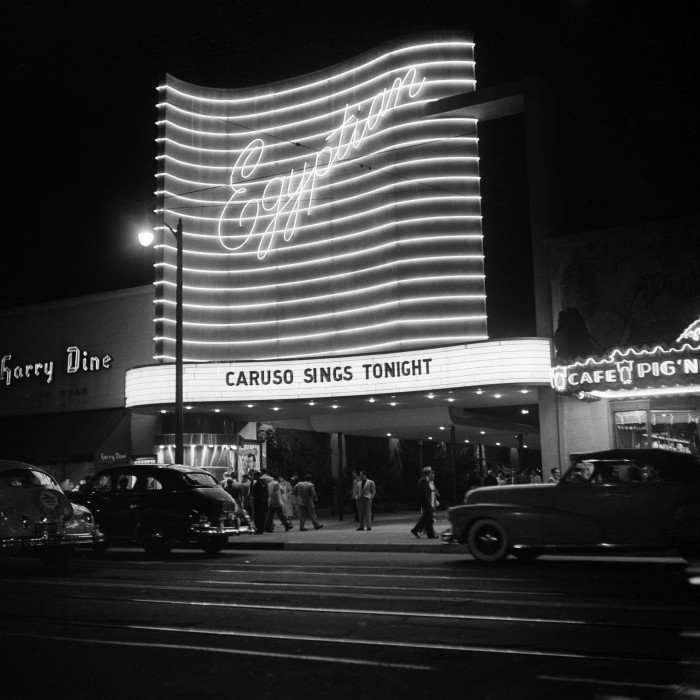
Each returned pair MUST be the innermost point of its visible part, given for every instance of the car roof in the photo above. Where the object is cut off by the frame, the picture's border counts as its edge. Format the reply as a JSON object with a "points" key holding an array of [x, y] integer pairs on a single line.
{"points": [[654, 457], [143, 467], [12, 464]]}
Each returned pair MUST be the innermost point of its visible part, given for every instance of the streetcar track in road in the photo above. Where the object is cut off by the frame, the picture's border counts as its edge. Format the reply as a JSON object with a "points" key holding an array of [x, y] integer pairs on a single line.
{"points": [[458, 595], [423, 646], [408, 614], [220, 650]]}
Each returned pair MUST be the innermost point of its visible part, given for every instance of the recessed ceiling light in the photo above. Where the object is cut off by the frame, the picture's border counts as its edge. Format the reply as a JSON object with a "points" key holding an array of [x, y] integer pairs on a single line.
{"points": [[275, 408], [498, 396], [371, 400], [483, 432], [442, 427], [431, 395], [335, 405], [217, 410], [312, 403], [450, 400], [479, 391], [393, 403]]}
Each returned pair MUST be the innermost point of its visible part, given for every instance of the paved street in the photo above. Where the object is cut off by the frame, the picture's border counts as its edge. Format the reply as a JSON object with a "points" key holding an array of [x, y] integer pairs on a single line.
{"points": [[349, 623]]}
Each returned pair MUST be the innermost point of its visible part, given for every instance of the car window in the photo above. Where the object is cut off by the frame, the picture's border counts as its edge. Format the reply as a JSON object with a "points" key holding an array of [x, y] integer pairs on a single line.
{"points": [[24, 478], [579, 472], [102, 482], [125, 482], [200, 479], [152, 484]]}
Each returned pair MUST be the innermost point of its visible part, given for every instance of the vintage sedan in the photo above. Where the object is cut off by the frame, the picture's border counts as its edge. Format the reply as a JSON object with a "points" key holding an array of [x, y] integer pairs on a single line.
{"points": [[37, 517], [622, 499], [156, 505]]}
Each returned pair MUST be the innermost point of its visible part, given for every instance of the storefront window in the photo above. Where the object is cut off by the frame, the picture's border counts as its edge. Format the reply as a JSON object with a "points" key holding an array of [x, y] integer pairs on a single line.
{"points": [[631, 429], [674, 430], [663, 429]]}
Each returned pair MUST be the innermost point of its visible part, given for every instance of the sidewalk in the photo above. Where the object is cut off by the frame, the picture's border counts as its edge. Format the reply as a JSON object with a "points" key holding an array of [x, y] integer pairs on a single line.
{"points": [[390, 533]]}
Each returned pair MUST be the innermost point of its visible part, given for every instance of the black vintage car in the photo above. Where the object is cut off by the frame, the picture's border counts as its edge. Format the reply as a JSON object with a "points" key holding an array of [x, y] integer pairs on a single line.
{"points": [[156, 505]]}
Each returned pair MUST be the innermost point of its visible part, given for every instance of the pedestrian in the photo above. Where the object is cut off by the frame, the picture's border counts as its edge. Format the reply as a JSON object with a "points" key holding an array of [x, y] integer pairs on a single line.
{"points": [[427, 495], [245, 493], [366, 491], [305, 492], [258, 502], [288, 496], [490, 478], [354, 493], [275, 505], [554, 477], [296, 505]]}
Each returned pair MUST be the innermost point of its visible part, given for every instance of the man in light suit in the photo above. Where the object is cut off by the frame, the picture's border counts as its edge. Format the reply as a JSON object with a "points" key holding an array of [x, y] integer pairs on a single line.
{"points": [[365, 492], [305, 492]]}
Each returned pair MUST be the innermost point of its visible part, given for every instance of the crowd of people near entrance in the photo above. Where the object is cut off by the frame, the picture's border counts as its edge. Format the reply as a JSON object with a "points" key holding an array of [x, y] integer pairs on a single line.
{"points": [[263, 499]]}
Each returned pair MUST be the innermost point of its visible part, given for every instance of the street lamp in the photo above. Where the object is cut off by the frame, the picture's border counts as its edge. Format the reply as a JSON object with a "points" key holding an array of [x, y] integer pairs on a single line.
{"points": [[146, 239]]}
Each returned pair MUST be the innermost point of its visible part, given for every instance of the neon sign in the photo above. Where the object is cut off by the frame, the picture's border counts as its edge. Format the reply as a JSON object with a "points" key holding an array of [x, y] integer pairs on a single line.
{"points": [[631, 369], [282, 198], [326, 214]]}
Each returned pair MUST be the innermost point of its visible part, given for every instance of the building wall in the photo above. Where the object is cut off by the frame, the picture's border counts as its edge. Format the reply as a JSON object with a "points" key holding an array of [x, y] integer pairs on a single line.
{"points": [[109, 333]]}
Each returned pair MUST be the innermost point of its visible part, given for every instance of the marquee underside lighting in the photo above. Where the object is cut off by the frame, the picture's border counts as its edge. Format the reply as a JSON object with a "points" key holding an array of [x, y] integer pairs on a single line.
{"points": [[323, 215]]}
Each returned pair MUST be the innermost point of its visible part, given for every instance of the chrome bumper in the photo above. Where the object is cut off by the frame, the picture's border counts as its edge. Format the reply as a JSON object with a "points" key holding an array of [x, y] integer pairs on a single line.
{"points": [[15, 544]]}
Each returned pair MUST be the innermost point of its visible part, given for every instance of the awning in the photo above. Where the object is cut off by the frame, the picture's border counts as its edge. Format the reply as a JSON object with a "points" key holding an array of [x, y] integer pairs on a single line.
{"points": [[65, 438]]}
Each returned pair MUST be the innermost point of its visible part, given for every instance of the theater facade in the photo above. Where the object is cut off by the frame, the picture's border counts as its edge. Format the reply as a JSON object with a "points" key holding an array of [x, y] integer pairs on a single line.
{"points": [[333, 282]]}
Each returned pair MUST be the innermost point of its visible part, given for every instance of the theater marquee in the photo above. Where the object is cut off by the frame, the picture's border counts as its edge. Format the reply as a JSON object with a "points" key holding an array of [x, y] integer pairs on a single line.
{"points": [[325, 215], [514, 362]]}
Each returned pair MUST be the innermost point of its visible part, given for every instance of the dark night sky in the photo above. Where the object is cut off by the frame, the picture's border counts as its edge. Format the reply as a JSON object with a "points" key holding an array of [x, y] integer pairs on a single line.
{"points": [[79, 141]]}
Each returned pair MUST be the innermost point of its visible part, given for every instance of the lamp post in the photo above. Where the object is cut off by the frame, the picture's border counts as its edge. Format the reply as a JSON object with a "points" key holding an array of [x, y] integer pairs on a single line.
{"points": [[146, 240]]}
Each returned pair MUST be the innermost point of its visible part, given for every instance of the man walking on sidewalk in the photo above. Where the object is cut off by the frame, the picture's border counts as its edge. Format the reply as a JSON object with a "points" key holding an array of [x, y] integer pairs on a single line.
{"points": [[275, 505], [366, 491], [305, 493], [427, 494]]}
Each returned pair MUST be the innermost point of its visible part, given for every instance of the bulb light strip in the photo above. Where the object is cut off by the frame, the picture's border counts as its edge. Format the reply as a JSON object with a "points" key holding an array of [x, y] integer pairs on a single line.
{"points": [[301, 199], [367, 372]]}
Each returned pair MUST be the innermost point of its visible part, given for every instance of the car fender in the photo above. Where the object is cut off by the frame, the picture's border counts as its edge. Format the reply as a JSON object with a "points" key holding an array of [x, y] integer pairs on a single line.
{"points": [[684, 526], [523, 523]]}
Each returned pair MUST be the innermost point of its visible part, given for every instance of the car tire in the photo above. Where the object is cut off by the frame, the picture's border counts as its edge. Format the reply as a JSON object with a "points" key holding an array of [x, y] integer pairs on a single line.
{"points": [[488, 541], [156, 542], [215, 544], [527, 554]]}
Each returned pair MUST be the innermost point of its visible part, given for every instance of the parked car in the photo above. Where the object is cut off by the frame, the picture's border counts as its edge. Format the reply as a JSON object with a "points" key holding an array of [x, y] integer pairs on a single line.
{"points": [[615, 499], [37, 517], [156, 505]]}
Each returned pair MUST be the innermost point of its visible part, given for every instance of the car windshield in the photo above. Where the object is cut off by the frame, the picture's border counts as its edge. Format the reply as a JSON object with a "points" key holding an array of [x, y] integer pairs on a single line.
{"points": [[26, 478], [200, 479]]}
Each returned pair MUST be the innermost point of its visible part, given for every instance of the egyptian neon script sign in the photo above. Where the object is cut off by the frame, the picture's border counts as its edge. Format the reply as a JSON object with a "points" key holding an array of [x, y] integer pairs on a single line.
{"points": [[273, 208], [628, 369]]}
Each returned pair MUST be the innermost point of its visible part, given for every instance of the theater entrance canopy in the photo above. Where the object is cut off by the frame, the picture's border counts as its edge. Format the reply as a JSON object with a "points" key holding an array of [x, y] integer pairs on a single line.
{"points": [[412, 395]]}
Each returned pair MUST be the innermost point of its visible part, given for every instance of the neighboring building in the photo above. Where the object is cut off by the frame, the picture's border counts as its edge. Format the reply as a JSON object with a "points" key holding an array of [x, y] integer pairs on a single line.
{"points": [[627, 369]]}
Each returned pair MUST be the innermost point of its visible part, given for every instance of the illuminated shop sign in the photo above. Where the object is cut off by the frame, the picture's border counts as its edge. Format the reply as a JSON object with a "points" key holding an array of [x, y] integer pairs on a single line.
{"points": [[630, 369], [479, 364], [325, 215], [76, 361], [691, 333]]}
